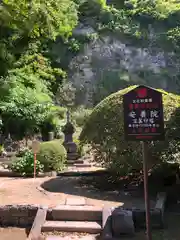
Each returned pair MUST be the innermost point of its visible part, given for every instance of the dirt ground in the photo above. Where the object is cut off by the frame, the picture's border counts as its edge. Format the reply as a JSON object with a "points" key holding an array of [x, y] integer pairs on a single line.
{"points": [[55, 191], [12, 233]]}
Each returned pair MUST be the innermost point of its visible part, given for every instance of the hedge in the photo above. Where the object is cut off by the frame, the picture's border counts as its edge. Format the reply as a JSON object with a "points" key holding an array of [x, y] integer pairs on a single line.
{"points": [[52, 155], [104, 131]]}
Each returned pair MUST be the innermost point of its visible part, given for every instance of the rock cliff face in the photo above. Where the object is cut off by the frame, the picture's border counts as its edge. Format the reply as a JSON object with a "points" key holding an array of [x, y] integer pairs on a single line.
{"points": [[134, 43], [110, 60]]}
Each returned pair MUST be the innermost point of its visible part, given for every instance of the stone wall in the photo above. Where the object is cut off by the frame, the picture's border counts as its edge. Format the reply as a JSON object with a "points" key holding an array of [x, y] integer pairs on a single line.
{"points": [[17, 215]]}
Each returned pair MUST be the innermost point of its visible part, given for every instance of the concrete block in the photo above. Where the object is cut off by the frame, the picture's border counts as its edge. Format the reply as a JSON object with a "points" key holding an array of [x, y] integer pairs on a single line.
{"points": [[122, 222]]}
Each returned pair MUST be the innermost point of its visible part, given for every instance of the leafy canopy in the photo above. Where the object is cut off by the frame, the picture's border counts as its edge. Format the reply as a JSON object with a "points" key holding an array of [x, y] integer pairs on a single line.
{"points": [[37, 18], [29, 81]]}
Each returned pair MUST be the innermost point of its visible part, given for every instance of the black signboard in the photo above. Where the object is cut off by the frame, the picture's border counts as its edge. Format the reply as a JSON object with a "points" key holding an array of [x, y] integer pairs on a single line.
{"points": [[143, 115]]}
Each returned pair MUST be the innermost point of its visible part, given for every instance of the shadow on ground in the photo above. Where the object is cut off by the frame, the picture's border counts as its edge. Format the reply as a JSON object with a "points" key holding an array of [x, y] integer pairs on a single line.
{"points": [[79, 187]]}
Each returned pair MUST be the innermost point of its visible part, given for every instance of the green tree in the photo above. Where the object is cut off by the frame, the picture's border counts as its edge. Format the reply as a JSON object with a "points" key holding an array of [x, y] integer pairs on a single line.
{"points": [[29, 81], [66, 95], [39, 18]]}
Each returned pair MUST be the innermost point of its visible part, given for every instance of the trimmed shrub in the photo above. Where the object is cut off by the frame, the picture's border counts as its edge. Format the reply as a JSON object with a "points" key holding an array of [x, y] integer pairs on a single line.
{"points": [[80, 116], [52, 155], [25, 164], [104, 131]]}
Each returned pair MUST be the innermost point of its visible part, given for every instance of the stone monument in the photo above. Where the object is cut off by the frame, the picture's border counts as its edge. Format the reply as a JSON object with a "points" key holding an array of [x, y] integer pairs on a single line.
{"points": [[68, 143], [8, 143]]}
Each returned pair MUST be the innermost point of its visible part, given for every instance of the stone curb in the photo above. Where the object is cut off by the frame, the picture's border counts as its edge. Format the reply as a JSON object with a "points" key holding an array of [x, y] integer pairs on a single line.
{"points": [[24, 215], [6, 173], [82, 173]]}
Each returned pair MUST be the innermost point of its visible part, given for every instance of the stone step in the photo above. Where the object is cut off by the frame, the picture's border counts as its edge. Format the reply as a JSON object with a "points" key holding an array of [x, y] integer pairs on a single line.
{"points": [[72, 226], [77, 213], [72, 156], [82, 165], [72, 162]]}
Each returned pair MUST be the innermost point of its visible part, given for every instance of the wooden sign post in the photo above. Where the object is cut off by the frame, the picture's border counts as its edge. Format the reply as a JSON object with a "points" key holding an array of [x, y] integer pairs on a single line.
{"points": [[144, 121], [35, 149]]}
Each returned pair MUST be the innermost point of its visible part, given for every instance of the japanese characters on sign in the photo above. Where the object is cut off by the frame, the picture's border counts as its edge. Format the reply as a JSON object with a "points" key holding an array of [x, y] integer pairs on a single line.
{"points": [[143, 114]]}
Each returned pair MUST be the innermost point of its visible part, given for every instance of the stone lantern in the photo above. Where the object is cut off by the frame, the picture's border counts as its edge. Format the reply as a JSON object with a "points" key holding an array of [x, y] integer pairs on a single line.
{"points": [[68, 143]]}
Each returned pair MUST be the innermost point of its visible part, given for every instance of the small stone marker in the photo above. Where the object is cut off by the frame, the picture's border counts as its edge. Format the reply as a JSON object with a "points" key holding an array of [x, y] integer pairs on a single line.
{"points": [[35, 146], [122, 222]]}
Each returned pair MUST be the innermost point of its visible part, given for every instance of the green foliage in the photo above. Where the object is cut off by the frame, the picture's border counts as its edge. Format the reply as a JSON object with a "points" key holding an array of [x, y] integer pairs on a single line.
{"points": [[104, 132], [24, 108], [52, 122], [37, 45], [80, 116], [135, 20], [22, 151], [26, 94], [29, 81], [25, 164], [66, 95], [52, 155], [80, 148], [6, 58], [1, 148], [158, 9], [39, 18], [33, 62]]}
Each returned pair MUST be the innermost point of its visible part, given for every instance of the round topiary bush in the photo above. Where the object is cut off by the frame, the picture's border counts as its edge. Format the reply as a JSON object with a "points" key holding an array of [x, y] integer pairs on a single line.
{"points": [[52, 155], [104, 131]]}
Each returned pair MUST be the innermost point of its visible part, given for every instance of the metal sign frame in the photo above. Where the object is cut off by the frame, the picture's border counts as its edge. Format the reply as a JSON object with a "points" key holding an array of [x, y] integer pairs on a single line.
{"points": [[143, 115], [144, 121]]}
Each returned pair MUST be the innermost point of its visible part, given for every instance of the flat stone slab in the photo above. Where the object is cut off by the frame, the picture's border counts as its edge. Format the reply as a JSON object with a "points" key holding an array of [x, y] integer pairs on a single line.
{"points": [[72, 226], [76, 201], [77, 213], [71, 238]]}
